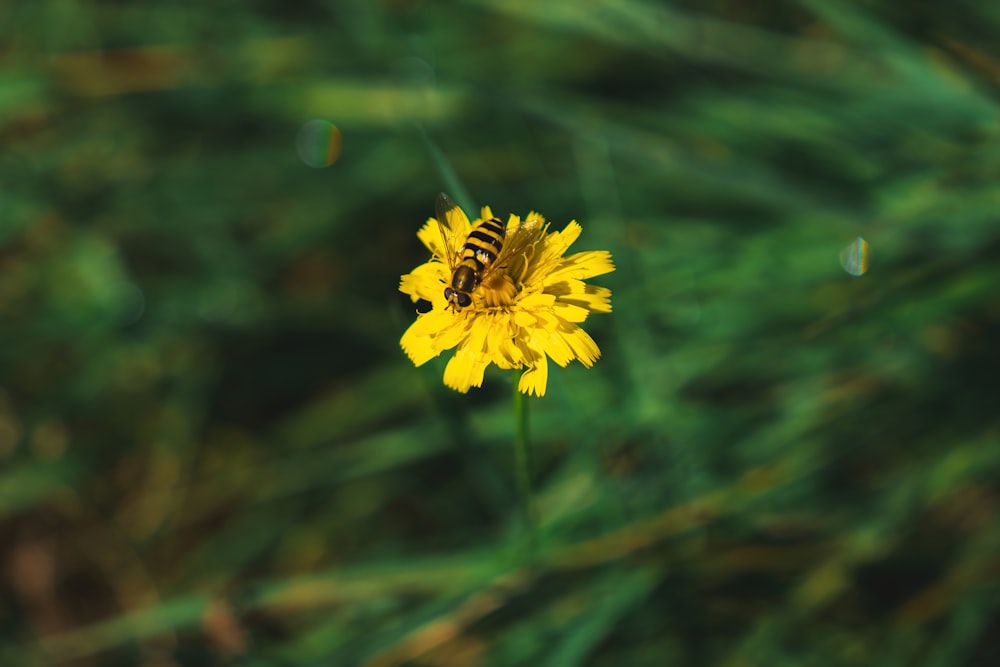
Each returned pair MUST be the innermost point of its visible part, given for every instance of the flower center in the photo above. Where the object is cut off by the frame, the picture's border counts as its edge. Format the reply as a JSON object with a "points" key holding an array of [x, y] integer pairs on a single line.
{"points": [[499, 291]]}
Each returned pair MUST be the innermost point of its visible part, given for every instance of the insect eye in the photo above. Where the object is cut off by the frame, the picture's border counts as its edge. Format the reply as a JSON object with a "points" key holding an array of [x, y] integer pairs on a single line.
{"points": [[464, 300], [448, 292]]}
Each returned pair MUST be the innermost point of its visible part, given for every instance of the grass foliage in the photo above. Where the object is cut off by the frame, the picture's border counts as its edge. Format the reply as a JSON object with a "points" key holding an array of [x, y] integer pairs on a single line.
{"points": [[214, 452]]}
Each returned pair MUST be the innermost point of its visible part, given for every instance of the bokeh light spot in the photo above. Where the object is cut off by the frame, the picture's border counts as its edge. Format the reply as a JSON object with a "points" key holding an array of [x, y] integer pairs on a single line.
{"points": [[318, 143], [134, 303], [854, 258]]}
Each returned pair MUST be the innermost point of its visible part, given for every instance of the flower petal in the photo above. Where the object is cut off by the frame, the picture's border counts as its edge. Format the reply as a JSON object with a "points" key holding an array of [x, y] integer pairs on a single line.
{"points": [[431, 334], [425, 282], [583, 346], [594, 298], [535, 215], [582, 265], [557, 243], [570, 312], [549, 251], [430, 236], [465, 370], [499, 341], [526, 319], [536, 301], [554, 345], [420, 349], [506, 354], [533, 380]]}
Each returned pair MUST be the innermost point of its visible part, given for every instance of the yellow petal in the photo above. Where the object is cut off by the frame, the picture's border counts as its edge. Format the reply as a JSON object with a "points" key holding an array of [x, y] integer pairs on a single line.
{"points": [[549, 251], [557, 243], [503, 350], [583, 346], [526, 319], [570, 312], [479, 331], [582, 265], [432, 333], [430, 236], [507, 355], [554, 345], [454, 332], [432, 323], [593, 298], [424, 282], [535, 301], [465, 370], [534, 379], [420, 349], [535, 215]]}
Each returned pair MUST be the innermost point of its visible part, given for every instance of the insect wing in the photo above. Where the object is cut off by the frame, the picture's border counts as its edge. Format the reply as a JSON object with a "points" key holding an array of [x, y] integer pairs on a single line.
{"points": [[449, 213], [517, 241]]}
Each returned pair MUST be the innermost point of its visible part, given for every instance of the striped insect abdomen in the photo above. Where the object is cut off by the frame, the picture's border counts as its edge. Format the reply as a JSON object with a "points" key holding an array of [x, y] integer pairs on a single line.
{"points": [[478, 253]]}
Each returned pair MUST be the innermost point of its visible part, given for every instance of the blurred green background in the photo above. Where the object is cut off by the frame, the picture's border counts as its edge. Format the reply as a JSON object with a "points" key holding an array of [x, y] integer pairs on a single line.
{"points": [[214, 452]]}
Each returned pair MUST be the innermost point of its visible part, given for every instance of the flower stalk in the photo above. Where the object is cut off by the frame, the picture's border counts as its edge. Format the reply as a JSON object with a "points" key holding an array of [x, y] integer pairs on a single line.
{"points": [[522, 469], [505, 294]]}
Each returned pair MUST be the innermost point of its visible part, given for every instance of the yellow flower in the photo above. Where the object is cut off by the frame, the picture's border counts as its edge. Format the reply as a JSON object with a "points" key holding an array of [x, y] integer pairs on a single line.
{"points": [[529, 308]]}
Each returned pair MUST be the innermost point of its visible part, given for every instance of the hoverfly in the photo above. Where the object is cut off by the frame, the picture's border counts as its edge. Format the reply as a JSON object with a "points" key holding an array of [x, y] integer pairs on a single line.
{"points": [[486, 249]]}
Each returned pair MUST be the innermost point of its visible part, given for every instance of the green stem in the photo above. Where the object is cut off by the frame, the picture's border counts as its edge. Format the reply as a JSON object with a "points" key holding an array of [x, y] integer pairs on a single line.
{"points": [[522, 467]]}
